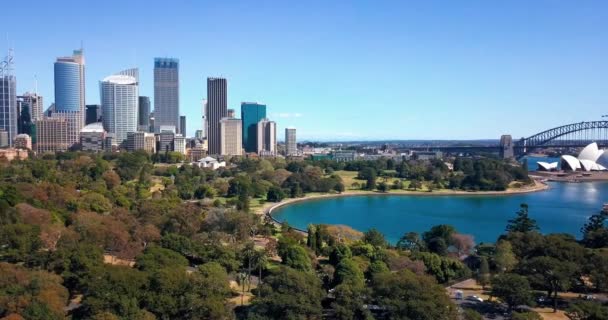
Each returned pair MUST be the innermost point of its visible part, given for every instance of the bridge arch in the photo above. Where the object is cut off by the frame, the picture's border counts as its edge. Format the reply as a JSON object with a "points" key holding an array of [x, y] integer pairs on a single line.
{"points": [[546, 137]]}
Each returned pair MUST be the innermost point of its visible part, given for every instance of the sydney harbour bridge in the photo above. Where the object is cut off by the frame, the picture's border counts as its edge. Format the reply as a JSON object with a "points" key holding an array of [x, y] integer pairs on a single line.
{"points": [[573, 135]]}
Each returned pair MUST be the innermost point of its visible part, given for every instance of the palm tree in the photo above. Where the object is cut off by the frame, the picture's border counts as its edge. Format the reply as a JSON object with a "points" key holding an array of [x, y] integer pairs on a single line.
{"points": [[249, 253], [259, 261], [242, 278]]}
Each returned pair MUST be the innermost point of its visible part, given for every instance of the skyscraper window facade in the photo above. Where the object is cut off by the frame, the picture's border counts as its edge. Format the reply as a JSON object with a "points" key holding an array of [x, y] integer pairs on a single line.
{"points": [[217, 109], [119, 99], [251, 114], [143, 121], [291, 147], [166, 92], [8, 105], [70, 93]]}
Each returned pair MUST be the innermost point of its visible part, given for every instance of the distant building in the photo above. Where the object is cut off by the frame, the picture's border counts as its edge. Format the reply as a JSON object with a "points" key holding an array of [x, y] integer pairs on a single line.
{"points": [[266, 138], [36, 104], [110, 144], [344, 156], [179, 144], [198, 134], [92, 137], [4, 139], [165, 140], [217, 109], [119, 101], [23, 141], [151, 120], [11, 154], [231, 113], [231, 137], [143, 115], [251, 114], [8, 102], [209, 162], [182, 125], [198, 152], [52, 135], [93, 114], [141, 141], [166, 93], [70, 93], [291, 147], [428, 155]]}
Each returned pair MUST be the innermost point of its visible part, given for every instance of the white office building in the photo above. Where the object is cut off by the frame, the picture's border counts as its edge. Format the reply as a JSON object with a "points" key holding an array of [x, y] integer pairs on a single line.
{"points": [[119, 103]]}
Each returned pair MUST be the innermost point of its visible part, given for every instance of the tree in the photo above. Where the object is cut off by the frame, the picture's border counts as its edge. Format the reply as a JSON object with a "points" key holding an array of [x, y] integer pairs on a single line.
{"points": [[410, 241], [595, 232], [405, 295], [288, 294], [587, 310], [18, 241], [505, 258], [374, 237], [338, 252], [155, 258], [439, 238], [512, 289], [275, 194], [483, 274], [382, 187], [369, 175], [296, 257], [463, 243], [339, 187], [550, 274], [522, 223], [349, 302], [348, 271]]}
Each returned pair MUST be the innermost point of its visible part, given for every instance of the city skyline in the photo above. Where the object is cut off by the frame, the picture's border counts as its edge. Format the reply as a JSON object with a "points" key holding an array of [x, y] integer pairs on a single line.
{"points": [[479, 66]]}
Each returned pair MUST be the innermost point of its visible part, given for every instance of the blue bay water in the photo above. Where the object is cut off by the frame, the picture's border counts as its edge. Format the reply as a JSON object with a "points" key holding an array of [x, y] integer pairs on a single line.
{"points": [[563, 208]]}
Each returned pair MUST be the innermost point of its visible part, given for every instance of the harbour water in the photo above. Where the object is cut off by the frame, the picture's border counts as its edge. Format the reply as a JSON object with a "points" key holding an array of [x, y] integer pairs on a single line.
{"points": [[563, 208]]}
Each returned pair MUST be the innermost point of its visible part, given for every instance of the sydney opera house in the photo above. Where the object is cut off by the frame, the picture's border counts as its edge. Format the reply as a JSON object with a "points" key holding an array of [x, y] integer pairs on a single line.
{"points": [[591, 158]]}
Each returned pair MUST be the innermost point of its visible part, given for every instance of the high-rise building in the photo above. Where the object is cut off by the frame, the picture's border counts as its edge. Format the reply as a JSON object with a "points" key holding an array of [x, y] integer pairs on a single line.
{"points": [[36, 104], [217, 109], [230, 113], [119, 99], [166, 92], [231, 132], [182, 125], [70, 93], [291, 147], [179, 144], [251, 113], [24, 117], [92, 137], [141, 141], [165, 141], [8, 99], [198, 134], [23, 141], [143, 122], [93, 114], [4, 140], [151, 120], [266, 138], [52, 135], [205, 119]]}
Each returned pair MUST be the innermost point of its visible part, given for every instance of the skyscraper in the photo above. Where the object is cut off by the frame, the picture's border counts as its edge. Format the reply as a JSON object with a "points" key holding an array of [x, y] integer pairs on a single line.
{"points": [[166, 92], [231, 131], [8, 99], [266, 143], [36, 104], [217, 109], [119, 99], [143, 122], [70, 93], [182, 125], [93, 114], [52, 135], [251, 113], [291, 147]]}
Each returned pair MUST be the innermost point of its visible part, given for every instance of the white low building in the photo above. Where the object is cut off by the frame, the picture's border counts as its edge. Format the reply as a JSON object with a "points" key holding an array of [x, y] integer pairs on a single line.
{"points": [[209, 162]]}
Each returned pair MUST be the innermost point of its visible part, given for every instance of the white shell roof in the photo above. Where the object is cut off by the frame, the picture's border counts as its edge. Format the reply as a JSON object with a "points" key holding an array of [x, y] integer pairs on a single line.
{"points": [[590, 152], [571, 161], [547, 165]]}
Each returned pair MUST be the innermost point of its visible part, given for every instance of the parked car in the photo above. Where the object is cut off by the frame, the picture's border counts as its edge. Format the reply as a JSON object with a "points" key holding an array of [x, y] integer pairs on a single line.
{"points": [[474, 298]]}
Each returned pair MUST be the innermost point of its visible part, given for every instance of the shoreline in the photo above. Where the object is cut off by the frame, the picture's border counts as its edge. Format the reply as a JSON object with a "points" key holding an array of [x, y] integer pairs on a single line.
{"points": [[267, 208]]}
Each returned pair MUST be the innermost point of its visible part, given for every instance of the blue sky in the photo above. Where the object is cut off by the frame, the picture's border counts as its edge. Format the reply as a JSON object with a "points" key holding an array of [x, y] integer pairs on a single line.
{"points": [[340, 70]]}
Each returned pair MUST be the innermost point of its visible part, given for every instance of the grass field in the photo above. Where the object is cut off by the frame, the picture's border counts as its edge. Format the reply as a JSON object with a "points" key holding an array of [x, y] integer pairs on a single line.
{"points": [[350, 177]]}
